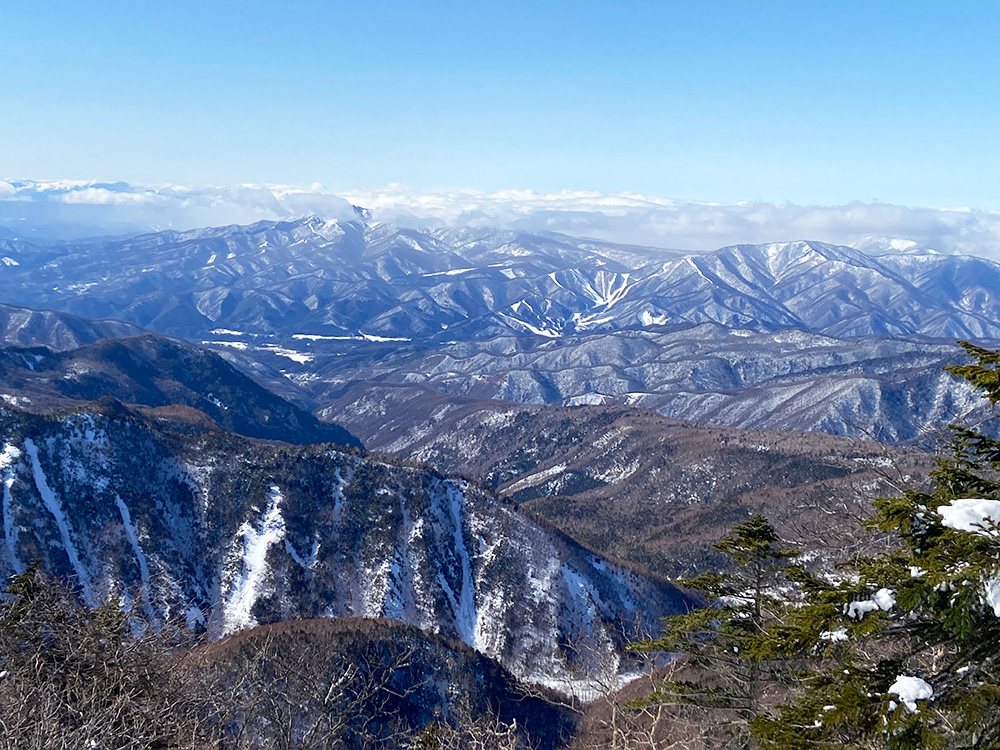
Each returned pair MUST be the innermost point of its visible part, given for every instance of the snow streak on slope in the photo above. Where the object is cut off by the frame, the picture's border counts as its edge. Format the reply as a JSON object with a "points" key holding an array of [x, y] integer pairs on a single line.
{"points": [[55, 508], [465, 613], [253, 563], [133, 539], [8, 466], [307, 563]]}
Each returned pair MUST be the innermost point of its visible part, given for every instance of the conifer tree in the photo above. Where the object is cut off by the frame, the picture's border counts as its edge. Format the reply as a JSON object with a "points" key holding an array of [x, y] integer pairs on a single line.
{"points": [[905, 653], [724, 672]]}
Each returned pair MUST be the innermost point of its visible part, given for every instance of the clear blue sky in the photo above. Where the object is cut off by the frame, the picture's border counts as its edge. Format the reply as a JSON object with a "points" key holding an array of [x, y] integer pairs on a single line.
{"points": [[809, 102]]}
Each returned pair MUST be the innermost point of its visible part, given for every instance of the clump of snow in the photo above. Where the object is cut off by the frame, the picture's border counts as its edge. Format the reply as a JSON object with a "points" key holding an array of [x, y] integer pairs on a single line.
{"points": [[910, 690], [993, 594], [884, 599], [840, 634], [975, 514]]}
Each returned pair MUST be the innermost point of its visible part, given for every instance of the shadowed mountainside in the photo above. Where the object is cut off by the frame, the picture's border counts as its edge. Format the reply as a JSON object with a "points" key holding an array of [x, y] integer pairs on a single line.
{"points": [[155, 372]]}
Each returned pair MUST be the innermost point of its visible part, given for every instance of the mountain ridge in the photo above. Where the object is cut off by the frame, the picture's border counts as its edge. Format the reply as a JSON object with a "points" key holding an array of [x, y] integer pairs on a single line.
{"points": [[149, 370], [317, 276], [233, 532]]}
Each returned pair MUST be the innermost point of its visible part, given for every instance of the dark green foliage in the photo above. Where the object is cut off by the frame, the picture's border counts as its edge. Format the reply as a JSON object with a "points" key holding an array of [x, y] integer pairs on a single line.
{"points": [[725, 665], [942, 627]]}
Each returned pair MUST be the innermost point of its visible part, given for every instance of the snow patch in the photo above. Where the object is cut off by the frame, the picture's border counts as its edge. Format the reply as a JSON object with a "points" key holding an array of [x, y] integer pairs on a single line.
{"points": [[373, 337], [910, 690], [647, 318], [452, 272], [241, 345], [975, 514], [54, 507], [465, 612], [133, 538], [537, 478], [306, 562], [8, 458], [300, 357], [253, 566]]}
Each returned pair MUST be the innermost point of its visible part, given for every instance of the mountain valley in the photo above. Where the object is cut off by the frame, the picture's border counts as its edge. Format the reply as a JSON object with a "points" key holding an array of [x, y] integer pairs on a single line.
{"points": [[554, 429]]}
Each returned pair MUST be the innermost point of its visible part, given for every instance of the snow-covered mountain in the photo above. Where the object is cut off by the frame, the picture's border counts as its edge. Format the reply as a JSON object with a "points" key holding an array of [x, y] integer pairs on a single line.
{"points": [[313, 276], [232, 532], [348, 278], [23, 326], [888, 388], [779, 336], [626, 481]]}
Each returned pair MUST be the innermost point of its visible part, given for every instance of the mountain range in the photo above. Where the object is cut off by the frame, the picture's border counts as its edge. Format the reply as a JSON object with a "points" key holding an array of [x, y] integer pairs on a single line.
{"points": [[182, 426], [321, 277], [796, 335], [631, 484]]}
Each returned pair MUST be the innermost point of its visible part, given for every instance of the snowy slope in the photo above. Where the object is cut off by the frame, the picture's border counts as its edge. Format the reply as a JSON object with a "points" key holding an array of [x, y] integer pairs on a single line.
{"points": [[233, 533], [349, 278]]}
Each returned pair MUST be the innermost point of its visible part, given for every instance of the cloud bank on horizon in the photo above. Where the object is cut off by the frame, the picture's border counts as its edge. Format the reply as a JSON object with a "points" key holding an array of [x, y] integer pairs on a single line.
{"points": [[74, 209]]}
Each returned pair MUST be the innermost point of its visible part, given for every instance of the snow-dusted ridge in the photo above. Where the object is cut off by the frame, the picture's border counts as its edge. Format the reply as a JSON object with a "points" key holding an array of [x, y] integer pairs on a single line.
{"points": [[260, 533]]}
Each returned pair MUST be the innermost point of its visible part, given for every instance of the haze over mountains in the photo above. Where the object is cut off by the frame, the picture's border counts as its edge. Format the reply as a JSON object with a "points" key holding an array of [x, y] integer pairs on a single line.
{"points": [[66, 210]]}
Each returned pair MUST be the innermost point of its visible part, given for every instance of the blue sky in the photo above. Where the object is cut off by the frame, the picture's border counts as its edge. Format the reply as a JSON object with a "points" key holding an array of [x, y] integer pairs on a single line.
{"points": [[802, 102]]}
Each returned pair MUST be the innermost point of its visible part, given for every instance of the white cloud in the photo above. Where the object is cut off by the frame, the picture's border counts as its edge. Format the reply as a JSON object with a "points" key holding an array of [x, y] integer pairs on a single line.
{"points": [[73, 207], [664, 222], [104, 197]]}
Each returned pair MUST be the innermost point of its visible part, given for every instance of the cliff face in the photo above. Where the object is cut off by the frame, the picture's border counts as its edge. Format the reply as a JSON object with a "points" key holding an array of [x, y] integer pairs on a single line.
{"points": [[233, 533]]}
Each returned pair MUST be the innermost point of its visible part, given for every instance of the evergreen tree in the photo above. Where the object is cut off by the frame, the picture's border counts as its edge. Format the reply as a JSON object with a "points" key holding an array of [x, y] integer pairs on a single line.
{"points": [[724, 671], [906, 652]]}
